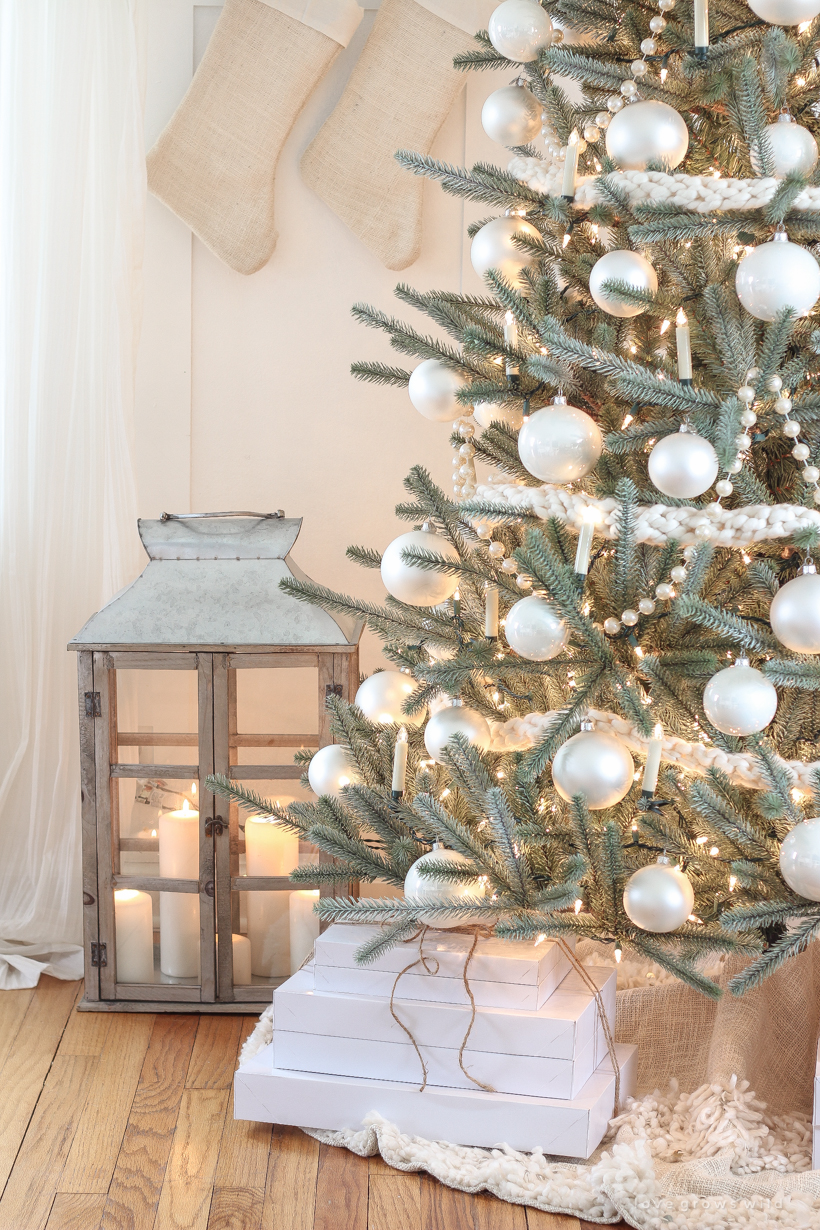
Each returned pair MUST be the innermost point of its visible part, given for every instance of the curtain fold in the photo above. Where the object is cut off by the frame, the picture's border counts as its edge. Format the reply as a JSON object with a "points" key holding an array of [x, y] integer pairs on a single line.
{"points": [[72, 192]]}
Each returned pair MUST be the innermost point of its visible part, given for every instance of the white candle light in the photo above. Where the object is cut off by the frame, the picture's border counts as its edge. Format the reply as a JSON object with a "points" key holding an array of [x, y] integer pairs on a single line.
{"points": [[653, 761], [582, 554], [133, 914], [684, 344], [304, 925], [270, 850], [491, 613], [179, 912], [241, 959], [399, 765], [570, 167], [511, 340], [701, 23]]}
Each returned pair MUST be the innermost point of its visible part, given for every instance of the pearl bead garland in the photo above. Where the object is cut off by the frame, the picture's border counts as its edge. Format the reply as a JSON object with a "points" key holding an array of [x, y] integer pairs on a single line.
{"points": [[646, 606], [464, 475]]}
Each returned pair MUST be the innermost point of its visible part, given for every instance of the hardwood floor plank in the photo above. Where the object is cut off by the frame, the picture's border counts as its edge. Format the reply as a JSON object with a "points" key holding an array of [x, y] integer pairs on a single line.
{"points": [[538, 1220], [445, 1209], [213, 1062], [28, 1061], [75, 1211], [29, 1193], [290, 1194], [394, 1202], [236, 1208], [377, 1165], [13, 1007], [185, 1199], [86, 1033], [138, 1175], [243, 1153], [341, 1190], [93, 1155]]}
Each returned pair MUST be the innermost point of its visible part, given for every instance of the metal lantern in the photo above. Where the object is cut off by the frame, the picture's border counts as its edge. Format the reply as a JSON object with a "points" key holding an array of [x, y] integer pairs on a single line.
{"points": [[208, 602]]}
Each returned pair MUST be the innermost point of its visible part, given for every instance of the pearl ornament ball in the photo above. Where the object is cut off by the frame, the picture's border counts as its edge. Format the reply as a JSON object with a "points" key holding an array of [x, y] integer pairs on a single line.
{"points": [[331, 769], [411, 584], [621, 266], [740, 700], [511, 116], [560, 443], [595, 764], [381, 697], [777, 275], [457, 719], [519, 29], [647, 132], [433, 387], [800, 859], [430, 892], [487, 412], [659, 898], [794, 613], [493, 246], [534, 630], [785, 12], [683, 465], [793, 148]]}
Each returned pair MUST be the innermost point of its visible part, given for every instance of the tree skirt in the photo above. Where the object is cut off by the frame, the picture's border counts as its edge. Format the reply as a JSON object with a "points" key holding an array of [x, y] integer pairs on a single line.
{"points": [[721, 1156]]}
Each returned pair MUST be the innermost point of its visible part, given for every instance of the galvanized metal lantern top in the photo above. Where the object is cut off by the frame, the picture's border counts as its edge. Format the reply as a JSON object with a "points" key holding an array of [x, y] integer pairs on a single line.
{"points": [[212, 582]]}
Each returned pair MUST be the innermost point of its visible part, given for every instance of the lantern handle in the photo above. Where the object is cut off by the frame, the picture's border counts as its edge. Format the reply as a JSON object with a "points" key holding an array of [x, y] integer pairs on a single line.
{"points": [[199, 516]]}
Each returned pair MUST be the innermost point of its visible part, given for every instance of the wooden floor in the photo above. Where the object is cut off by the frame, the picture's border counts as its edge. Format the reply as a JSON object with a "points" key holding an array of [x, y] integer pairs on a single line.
{"points": [[124, 1122]]}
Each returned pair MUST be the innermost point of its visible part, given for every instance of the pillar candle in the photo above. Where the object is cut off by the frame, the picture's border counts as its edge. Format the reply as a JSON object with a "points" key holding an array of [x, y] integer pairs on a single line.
{"points": [[701, 23], [491, 613], [241, 959], [684, 344], [653, 761], [570, 167], [133, 915], [399, 764], [179, 912], [584, 549], [270, 850], [304, 925]]}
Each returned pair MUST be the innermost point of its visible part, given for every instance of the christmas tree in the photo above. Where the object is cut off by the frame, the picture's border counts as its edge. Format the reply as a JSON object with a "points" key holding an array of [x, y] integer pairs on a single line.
{"points": [[603, 712]]}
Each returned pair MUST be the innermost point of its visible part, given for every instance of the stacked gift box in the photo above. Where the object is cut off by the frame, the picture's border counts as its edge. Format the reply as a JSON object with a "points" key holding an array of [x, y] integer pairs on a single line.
{"points": [[338, 1053]]}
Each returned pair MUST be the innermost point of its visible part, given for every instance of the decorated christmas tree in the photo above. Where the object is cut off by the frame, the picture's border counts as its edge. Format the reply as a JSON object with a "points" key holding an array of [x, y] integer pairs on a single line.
{"points": [[603, 709]]}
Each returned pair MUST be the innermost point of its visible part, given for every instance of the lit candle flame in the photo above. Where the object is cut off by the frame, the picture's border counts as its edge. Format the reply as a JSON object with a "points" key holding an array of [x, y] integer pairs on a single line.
{"points": [[681, 318]]}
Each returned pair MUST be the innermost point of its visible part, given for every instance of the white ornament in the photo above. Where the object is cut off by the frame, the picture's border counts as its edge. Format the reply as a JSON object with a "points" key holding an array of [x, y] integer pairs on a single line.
{"points": [[777, 275], [518, 29], [683, 465], [800, 859], [457, 719], [381, 697], [785, 12], [740, 700], [560, 443], [659, 897], [511, 116], [432, 388], [621, 266], [430, 892], [411, 584], [795, 612], [487, 412], [647, 132], [792, 146], [331, 769], [595, 764], [534, 630], [493, 247]]}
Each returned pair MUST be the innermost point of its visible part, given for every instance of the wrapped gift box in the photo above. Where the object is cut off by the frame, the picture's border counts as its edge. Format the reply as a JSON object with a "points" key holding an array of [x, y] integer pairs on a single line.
{"points": [[502, 974], [565, 1127]]}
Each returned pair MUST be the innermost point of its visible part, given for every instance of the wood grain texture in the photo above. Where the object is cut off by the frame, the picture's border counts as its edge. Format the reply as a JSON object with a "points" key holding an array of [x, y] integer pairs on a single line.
{"points": [[27, 1063], [213, 1062], [445, 1209], [85, 1033], [93, 1156], [236, 1208], [538, 1220], [290, 1194], [185, 1199], [395, 1202], [341, 1190], [140, 1170], [75, 1211], [13, 1007]]}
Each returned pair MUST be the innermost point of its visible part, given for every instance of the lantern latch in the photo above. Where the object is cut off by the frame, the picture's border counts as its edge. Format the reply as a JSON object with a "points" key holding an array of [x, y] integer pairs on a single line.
{"points": [[99, 955], [333, 689], [93, 708], [209, 888], [215, 827]]}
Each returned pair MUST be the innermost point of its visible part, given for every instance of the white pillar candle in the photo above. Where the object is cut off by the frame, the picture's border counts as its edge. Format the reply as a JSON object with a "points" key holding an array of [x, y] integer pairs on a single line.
{"points": [[570, 167], [653, 761], [591, 517], [399, 764], [179, 912], [133, 915], [241, 959], [684, 344], [270, 850], [701, 23], [304, 925], [491, 612]]}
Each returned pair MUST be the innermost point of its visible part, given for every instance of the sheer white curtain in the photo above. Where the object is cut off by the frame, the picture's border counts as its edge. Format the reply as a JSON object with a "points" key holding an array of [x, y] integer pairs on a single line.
{"points": [[72, 189]]}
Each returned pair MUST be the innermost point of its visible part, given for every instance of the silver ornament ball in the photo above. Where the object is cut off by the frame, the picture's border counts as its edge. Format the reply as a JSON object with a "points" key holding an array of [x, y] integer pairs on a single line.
{"points": [[427, 891], [777, 275], [487, 412], [800, 859], [519, 29], [411, 584], [794, 613], [740, 700], [534, 630], [456, 719], [433, 388], [683, 465], [785, 12], [381, 697], [792, 146], [659, 898], [511, 115], [621, 266], [493, 246], [647, 132], [559, 443], [331, 769], [595, 764]]}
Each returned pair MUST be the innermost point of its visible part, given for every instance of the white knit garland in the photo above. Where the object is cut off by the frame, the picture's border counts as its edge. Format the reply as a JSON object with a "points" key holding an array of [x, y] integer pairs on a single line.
{"points": [[704, 194], [655, 523]]}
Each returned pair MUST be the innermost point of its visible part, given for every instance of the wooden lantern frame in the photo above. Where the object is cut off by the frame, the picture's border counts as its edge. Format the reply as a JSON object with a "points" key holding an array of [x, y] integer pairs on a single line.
{"points": [[217, 742]]}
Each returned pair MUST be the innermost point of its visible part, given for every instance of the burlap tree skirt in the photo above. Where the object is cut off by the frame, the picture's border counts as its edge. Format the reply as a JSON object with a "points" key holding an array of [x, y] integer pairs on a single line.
{"points": [[732, 1150]]}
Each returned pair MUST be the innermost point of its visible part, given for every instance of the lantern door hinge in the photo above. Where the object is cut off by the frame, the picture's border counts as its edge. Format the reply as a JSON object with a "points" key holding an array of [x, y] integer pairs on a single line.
{"points": [[93, 708], [99, 955], [333, 689]]}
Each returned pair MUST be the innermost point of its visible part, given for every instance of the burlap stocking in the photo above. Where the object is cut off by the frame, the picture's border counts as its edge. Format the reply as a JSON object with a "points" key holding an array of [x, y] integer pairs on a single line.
{"points": [[398, 96], [214, 164]]}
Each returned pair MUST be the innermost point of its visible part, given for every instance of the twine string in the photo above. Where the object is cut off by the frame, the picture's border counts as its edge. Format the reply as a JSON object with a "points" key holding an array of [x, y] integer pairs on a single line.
{"points": [[602, 1016]]}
